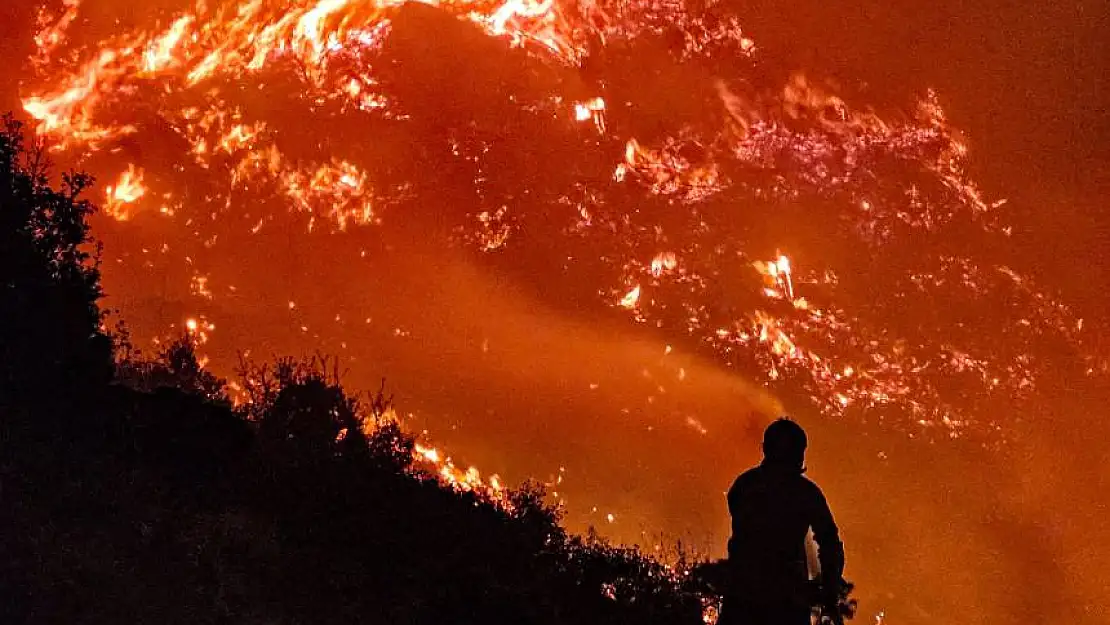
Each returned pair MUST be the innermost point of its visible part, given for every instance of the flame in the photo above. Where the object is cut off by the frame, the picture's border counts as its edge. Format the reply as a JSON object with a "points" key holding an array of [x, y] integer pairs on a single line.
{"points": [[127, 191], [593, 109], [631, 299], [159, 53], [665, 171], [199, 329], [208, 43], [778, 278], [52, 35], [211, 75], [468, 480], [199, 287], [340, 189], [663, 263]]}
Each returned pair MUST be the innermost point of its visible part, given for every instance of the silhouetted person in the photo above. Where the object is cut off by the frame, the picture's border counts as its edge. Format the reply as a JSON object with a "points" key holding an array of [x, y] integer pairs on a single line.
{"points": [[773, 506]]}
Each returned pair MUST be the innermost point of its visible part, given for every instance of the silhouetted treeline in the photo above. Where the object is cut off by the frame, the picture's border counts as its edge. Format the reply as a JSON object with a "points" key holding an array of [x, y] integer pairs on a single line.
{"points": [[131, 490]]}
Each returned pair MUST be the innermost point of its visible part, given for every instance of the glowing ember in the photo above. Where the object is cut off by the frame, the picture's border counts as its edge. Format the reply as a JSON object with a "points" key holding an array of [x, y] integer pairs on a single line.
{"points": [[126, 192], [631, 299], [199, 329], [339, 189], [662, 263], [593, 109]]}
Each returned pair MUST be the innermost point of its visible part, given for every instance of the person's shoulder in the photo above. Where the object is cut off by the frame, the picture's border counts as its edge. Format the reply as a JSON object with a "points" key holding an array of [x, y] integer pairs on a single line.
{"points": [[810, 487], [746, 477]]}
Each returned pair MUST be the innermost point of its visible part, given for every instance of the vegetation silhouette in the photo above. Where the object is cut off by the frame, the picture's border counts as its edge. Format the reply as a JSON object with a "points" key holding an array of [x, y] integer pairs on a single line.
{"points": [[134, 491], [49, 320]]}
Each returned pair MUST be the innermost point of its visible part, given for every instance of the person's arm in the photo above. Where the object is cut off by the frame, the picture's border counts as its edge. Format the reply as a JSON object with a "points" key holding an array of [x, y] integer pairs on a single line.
{"points": [[735, 505], [830, 550], [734, 498]]}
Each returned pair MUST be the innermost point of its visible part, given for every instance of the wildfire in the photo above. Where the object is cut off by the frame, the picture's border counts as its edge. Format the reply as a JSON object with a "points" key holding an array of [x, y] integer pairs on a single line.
{"points": [[468, 480], [313, 108]]}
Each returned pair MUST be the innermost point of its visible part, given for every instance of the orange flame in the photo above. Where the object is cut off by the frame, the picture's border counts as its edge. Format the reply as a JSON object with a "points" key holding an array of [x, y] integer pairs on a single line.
{"points": [[631, 299], [126, 192]]}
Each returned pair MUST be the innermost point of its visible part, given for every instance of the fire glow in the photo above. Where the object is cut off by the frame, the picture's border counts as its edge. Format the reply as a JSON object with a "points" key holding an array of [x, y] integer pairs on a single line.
{"points": [[125, 193], [820, 320]]}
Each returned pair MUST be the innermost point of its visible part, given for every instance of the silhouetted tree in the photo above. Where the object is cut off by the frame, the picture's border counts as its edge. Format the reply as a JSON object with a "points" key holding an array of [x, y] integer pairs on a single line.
{"points": [[50, 335], [164, 503], [302, 408], [176, 366]]}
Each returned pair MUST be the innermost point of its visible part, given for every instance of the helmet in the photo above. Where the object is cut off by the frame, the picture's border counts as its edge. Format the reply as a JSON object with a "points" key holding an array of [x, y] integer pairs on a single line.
{"points": [[784, 442]]}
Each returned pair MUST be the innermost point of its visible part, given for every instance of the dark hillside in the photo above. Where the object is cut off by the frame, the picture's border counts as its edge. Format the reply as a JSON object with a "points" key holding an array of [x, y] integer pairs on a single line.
{"points": [[133, 492]]}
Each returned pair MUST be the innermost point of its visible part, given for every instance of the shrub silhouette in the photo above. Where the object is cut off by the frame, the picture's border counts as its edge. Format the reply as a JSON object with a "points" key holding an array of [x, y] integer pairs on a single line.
{"points": [[149, 498], [176, 366], [49, 319]]}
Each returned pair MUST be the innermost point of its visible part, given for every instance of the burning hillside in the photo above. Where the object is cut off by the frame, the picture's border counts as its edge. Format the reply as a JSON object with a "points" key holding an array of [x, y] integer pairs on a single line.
{"points": [[601, 241], [636, 152]]}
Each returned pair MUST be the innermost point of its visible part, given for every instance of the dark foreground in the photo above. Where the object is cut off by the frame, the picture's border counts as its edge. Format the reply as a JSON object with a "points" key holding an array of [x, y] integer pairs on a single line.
{"points": [[133, 492]]}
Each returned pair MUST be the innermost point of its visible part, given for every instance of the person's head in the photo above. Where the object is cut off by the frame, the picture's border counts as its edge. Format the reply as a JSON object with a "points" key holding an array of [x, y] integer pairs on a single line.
{"points": [[784, 444]]}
